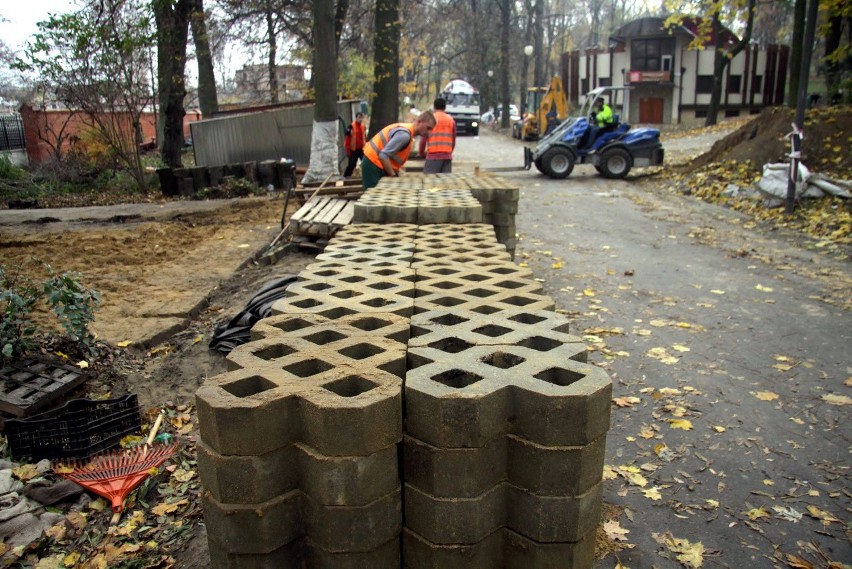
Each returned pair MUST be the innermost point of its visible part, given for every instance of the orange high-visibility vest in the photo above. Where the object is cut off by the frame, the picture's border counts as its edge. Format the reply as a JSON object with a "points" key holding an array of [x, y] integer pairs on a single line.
{"points": [[372, 148], [442, 136]]}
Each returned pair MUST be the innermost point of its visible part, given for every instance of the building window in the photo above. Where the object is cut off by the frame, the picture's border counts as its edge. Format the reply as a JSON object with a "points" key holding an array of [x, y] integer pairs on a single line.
{"points": [[758, 84], [735, 83], [701, 113], [584, 85], [704, 84], [604, 82], [648, 55], [729, 113]]}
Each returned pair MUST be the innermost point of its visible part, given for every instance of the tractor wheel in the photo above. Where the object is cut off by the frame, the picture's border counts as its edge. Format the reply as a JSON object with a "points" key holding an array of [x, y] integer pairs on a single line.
{"points": [[538, 165], [615, 163], [557, 162]]}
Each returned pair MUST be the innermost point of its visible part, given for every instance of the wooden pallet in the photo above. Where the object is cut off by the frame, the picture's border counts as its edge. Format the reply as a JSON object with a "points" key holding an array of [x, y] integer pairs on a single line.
{"points": [[28, 386], [322, 216]]}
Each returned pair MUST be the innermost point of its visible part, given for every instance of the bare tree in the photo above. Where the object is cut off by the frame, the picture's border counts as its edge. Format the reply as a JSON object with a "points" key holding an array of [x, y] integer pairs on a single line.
{"points": [[172, 18], [207, 97]]}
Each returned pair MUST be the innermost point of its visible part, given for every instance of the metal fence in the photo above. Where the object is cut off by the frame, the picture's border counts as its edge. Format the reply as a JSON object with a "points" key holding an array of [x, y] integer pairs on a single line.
{"points": [[264, 135], [11, 132]]}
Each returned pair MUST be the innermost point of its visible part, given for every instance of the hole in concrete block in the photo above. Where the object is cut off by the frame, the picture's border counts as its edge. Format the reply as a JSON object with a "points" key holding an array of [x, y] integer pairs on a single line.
{"points": [[317, 286], [308, 368], [511, 285], [351, 386], [502, 270], [249, 386], [540, 343], [481, 292], [445, 285], [503, 360], [559, 376], [474, 277], [448, 301], [413, 361], [486, 309], [444, 271], [346, 294], [327, 273], [377, 302], [324, 337], [306, 303], [293, 324], [451, 345], [449, 320], [492, 330], [527, 318], [361, 351], [417, 331], [384, 285], [519, 300], [385, 272], [337, 312], [370, 323], [457, 378], [352, 279], [274, 352]]}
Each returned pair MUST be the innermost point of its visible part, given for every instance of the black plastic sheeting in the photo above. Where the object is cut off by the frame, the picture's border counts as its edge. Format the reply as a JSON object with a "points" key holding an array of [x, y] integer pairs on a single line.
{"points": [[237, 330]]}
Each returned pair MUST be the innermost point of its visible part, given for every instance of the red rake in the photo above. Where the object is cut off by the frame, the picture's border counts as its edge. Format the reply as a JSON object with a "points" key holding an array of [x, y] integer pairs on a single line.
{"points": [[114, 475]]}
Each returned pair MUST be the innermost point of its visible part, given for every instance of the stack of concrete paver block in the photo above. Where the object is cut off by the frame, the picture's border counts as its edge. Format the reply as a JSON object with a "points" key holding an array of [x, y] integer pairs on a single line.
{"points": [[498, 198], [407, 201], [426, 341]]}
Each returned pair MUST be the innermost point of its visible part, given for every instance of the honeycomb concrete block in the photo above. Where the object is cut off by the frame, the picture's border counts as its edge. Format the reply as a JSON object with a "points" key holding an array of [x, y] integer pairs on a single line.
{"points": [[376, 233], [342, 301], [455, 331], [498, 271], [309, 401], [303, 553], [448, 206], [503, 548], [483, 301], [455, 252], [277, 325], [455, 231], [545, 519], [308, 284], [469, 472], [323, 331], [329, 480], [343, 270], [467, 286], [468, 398], [265, 527], [355, 252]]}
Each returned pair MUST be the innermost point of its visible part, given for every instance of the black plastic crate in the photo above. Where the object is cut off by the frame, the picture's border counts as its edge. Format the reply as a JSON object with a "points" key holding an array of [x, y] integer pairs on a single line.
{"points": [[78, 429]]}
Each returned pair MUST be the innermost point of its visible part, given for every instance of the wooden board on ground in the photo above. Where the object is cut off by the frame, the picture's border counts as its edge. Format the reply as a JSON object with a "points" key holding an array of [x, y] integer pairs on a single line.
{"points": [[322, 216]]}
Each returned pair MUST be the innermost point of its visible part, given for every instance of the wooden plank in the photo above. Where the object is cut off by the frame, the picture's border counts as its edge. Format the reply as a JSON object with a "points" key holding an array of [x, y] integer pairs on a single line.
{"points": [[328, 206], [344, 217], [308, 211], [330, 213]]}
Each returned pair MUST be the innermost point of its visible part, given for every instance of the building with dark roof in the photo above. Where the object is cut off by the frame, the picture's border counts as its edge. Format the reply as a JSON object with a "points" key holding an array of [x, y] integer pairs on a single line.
{"points": [[670, 79]]}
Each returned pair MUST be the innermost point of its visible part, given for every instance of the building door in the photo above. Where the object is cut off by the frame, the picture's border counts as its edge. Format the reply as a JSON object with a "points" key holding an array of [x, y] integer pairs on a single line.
{"points": [[651, 110]]}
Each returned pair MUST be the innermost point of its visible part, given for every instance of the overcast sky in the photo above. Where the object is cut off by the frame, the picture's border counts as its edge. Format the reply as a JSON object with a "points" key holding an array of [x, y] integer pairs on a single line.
{"points": [[22, 16]]}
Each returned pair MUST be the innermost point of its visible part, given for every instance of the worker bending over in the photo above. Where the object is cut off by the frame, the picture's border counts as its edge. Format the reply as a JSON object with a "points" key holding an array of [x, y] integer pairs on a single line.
{"points": [[388, 150]]}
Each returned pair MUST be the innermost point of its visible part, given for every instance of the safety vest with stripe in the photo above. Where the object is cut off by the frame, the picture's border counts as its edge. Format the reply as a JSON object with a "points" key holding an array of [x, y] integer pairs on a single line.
{"points": [[442, 136], [372, 148]]}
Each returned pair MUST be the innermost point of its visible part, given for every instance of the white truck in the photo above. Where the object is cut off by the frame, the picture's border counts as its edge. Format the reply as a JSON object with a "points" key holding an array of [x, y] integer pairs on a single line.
{"points": [[463, 105]]}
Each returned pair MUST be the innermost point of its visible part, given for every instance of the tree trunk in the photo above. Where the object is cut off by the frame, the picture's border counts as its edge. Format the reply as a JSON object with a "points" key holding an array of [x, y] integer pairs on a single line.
{"points": [[324, 146], [525, 63], [796, 51], [207, 98], [172, 20], [273, 54], [833, 40], [386, 85], [339, 21], [505, 23], [722, 58], [538, 46]]}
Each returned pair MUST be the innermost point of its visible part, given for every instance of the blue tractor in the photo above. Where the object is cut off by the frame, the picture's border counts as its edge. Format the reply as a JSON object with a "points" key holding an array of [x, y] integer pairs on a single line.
{"points": [[613, 151]]}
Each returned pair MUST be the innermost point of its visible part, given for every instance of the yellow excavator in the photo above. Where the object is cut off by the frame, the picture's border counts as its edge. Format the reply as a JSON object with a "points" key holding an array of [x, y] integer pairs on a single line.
{"points": [[546, 108]]}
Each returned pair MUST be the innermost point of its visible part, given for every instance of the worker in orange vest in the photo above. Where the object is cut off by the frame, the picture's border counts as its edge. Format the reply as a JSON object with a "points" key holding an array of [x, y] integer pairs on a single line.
{"points": [[388, 150], [438, 147], [354, 143]]}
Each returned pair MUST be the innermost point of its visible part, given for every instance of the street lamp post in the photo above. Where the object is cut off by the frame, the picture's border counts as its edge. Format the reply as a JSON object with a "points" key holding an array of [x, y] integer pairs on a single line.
{"points": [[528, 51]]}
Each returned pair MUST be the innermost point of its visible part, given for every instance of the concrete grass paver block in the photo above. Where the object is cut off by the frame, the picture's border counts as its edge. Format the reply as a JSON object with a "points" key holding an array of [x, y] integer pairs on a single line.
{"points": [[304, 553], [543, 519], [342, 301], [467, 398], [255, 411], [503, 548], [328, 480], [323, 331], [267, 526], [483, 301], [468, 472]]}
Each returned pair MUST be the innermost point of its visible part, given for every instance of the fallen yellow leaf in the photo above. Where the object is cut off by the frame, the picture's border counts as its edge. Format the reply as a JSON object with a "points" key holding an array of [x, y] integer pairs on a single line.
{"points": [[834, 399], [25, 472], [82, 364], [123, 344], [588, 292], [556, 265], [690, 554], [714, 291], [822, 515], [167, 508], [757, 513], [680, 348], [653, 493], [767, 482], [614, 531], [763, 288], [626, 401], [719, 429], [766, 395], [683, 424], [646, 432]]}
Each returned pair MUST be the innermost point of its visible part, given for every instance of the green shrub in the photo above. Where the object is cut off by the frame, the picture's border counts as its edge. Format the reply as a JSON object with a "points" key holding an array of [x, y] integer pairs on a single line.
{"points": [[72, 303]]}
